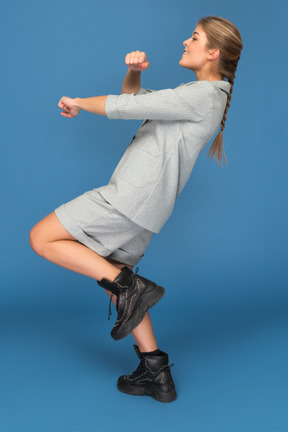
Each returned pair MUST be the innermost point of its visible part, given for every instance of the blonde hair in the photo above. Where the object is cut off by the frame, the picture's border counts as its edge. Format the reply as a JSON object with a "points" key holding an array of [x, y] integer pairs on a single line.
{"points": [[223, 35]]}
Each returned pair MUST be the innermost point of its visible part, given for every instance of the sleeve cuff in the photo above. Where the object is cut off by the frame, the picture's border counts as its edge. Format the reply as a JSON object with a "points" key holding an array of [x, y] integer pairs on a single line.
{"points": [[111, 107], [111, 104]]}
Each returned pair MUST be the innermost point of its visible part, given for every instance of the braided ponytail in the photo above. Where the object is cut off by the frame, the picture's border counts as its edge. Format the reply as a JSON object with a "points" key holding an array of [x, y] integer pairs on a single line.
{"points": [[218, 145], [222, 34]]}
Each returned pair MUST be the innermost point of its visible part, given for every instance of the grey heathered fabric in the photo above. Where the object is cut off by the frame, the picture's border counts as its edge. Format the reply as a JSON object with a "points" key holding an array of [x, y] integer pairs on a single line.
{"points": [[158, 162], [94, 222]]}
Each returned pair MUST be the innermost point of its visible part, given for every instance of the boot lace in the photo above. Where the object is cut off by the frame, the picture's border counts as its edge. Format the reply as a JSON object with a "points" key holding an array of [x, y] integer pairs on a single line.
{"points": [[110, 311]]}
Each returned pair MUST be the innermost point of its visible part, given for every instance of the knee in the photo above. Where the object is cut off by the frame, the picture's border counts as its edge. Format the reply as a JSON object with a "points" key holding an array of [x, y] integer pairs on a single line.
{"points": [[36, 241]]}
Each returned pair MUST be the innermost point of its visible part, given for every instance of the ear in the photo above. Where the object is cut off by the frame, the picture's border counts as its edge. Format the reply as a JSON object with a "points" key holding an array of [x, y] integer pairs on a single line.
{"points": [[213, 54]]}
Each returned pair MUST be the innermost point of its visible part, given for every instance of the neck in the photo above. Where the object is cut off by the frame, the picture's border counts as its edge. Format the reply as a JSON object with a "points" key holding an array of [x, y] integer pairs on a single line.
{"points": [[208, 76]]}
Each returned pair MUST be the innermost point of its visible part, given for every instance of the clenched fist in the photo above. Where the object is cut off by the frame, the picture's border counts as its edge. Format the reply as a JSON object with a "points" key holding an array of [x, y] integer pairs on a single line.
{"points": [[136, 59], [69, 107]]}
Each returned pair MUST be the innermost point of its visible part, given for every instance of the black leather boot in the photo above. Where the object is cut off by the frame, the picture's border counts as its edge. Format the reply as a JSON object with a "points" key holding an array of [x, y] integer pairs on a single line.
{"points": [[135, 295], [152, 378]]}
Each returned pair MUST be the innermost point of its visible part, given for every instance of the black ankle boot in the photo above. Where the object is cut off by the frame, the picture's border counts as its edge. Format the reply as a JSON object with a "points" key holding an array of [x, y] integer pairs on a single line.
{"points": [[152, 378], [135, 295]]}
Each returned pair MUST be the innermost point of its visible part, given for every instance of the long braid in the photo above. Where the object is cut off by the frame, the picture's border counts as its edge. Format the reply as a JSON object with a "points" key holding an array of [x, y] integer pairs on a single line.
{"points": [[227, 104], [231, 80], [218, 145]]}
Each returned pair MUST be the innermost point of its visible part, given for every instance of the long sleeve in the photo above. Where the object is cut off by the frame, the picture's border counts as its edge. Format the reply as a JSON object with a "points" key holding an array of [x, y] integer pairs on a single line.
{"points": [[186, 102]]}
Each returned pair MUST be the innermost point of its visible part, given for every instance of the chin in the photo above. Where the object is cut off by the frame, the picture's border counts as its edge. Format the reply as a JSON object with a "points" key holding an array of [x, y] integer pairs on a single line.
{"points": [[185, 66]]}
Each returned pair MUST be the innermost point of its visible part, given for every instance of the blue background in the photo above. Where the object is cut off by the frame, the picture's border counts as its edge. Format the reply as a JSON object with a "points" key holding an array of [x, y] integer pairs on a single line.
{"points": [[222, 255]]}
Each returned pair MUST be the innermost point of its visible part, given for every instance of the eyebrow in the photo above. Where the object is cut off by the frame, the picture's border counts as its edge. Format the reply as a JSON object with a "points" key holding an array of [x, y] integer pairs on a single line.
{"points": [[195, 32]]}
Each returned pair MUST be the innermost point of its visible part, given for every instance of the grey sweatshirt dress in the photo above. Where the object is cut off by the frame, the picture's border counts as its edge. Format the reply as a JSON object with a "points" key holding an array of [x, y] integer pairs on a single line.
{"points": [[158, 162], [141, 193]]}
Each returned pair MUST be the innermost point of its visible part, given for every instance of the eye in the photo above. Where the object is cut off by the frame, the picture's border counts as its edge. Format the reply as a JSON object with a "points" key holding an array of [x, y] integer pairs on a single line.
{"points": [[193, 38]]}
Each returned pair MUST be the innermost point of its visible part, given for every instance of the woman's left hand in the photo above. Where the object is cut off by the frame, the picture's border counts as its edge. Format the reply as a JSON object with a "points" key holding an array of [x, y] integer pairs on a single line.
{"points": [[69, 107]]}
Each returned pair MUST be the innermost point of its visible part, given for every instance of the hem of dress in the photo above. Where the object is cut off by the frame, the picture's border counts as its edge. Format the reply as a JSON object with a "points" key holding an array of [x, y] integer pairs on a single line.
{"points": [[71, 226], [124, 257]]}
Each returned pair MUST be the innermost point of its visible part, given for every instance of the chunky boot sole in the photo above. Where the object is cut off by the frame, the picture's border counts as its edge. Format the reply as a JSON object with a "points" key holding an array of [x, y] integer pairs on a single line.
{"points": [[161, 393], [148, 299]]}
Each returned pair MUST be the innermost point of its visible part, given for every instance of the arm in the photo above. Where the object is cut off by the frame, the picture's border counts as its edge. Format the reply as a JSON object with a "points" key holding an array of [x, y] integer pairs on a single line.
{"points": [[137, 62], [72, 107], [95, 105], [190, 101], [132, 82]]}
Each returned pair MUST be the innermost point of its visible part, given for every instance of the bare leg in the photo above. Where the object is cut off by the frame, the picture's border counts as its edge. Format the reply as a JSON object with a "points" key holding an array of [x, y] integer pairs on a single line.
{"points": [[52, 241], [49, 239]]}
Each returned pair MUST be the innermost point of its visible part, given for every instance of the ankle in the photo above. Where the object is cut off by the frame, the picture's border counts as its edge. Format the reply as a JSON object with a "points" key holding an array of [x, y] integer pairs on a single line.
{"points": [[113, 274], [151, 353]]}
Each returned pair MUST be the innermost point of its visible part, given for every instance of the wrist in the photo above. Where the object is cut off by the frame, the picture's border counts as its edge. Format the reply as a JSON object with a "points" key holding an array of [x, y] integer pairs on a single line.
{"points": [[134, 72], [77, 102]]}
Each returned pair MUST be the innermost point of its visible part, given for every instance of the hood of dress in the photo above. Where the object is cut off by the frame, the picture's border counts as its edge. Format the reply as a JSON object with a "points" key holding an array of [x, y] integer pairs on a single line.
{"points": [[222, 85]]}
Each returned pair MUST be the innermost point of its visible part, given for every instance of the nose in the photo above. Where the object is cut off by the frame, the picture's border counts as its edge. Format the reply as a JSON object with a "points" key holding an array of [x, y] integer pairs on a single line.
{"points": [[185, 42]]}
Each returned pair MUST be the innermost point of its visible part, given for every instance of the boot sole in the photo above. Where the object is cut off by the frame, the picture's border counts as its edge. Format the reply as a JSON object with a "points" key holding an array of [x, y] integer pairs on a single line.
{"points": [[150, 390], [144, 304]]}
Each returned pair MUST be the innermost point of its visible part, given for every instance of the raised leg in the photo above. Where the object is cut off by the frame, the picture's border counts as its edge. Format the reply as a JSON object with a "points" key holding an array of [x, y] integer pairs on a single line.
{"points": [[49, 239]]}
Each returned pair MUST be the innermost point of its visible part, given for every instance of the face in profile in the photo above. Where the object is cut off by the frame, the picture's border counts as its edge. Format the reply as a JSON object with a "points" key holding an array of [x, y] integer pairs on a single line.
{"points": [[196, 54]]}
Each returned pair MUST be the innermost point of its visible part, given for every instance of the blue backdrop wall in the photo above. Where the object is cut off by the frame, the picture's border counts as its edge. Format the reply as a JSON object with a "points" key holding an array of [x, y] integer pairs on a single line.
{"points": [[221, 256]]}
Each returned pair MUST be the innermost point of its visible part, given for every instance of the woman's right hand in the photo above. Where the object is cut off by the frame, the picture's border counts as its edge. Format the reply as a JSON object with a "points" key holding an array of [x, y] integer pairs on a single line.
{"points": [[135, 59], [69, 107]]}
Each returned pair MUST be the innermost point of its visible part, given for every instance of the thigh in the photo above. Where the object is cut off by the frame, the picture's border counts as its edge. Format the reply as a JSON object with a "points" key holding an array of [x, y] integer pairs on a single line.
{"points": [[50, 229]]}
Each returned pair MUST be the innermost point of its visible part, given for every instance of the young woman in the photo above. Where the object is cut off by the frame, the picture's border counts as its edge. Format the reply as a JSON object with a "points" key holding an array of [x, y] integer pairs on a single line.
{"points": [[104, 232]]}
